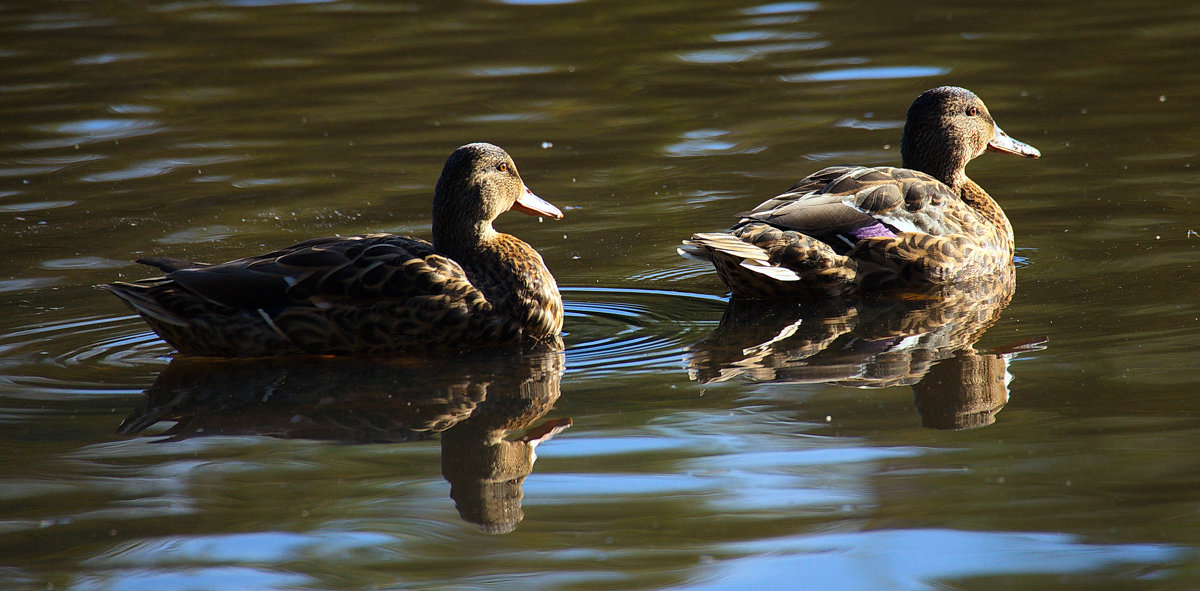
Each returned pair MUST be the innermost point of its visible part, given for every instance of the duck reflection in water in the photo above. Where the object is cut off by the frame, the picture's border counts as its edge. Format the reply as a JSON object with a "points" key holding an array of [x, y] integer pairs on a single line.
{"points": [[920, 338], [472, 403]]}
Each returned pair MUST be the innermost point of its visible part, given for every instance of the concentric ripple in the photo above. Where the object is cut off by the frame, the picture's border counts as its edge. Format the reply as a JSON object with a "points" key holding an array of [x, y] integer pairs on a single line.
{"points": [[78, 356], [607, 331], [633, 330]]}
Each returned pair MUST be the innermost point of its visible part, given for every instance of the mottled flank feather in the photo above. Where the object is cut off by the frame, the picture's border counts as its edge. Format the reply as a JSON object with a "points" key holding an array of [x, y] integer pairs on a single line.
{"points": [[370, 294], [855, 228]]}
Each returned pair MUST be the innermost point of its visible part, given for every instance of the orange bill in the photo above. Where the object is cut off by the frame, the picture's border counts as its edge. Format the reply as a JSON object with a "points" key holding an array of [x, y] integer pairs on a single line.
{"points": [[534, 205], [1002, 143]]}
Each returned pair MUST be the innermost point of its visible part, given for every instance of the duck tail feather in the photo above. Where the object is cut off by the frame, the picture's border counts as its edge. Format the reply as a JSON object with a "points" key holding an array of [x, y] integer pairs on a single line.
{"points": [[142, 301], [766, 269]]}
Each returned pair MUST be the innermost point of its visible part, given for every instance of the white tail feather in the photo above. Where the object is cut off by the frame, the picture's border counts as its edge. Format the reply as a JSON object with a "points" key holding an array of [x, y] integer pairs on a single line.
{"points": [[730, 245], [693, 251], [769, 270]]}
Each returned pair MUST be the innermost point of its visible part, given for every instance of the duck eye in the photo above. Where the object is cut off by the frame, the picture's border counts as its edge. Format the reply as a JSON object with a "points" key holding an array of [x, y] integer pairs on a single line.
{"points": [[502, 167], [972, 111]]}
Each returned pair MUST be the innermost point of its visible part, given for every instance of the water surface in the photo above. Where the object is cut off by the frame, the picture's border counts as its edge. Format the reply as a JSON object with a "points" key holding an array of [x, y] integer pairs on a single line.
{"points": [[701, 453]]}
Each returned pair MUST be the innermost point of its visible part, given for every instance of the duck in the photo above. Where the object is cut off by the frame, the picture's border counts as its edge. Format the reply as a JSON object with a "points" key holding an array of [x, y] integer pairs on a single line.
{"points": [[375, 294], [848, 230]]}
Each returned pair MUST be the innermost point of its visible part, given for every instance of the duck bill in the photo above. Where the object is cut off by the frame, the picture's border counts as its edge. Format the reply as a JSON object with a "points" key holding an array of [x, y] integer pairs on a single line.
{"points": [[1002, 143], [534, 205]]}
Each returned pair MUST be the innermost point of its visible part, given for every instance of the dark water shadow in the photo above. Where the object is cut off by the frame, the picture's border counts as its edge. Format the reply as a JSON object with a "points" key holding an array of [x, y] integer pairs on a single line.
{"points": [[473, 404], [920, 339]]}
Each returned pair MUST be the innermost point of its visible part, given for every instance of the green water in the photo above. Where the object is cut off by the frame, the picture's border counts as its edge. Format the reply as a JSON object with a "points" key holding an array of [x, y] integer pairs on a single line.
{"points": [[700, 454]]}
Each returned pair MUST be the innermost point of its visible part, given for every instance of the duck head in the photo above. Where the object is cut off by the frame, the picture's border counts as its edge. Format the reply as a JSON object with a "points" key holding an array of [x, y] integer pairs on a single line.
{"points": [[478, 183], [947, 127]]}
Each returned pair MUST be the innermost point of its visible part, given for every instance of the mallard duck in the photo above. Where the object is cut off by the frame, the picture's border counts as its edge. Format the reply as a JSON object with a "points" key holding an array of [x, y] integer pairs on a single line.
{"points": [[472, 287], [846, 229]]}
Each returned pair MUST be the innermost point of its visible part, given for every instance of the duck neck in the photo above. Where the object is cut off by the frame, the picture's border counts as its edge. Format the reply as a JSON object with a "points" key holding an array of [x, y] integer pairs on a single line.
{"points": [[946, 170], [456, 241], [958, 181], [509, 273], [459, 229], [931, 154], [979, 200], [476, 246]]}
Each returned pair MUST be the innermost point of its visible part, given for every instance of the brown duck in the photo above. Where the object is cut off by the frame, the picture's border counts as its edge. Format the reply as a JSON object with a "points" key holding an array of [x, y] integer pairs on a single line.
{"points": [[856, 228], [472, 287]]}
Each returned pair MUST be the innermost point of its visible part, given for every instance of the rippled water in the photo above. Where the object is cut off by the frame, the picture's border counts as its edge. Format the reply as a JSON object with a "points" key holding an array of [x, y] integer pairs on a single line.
{"points": [[1039, 439]]}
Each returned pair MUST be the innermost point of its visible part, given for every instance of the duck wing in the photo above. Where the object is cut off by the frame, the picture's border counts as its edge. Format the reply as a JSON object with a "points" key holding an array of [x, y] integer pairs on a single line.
{"points": [[844, 204], [845, 228], [321, 271], [364, 294]]}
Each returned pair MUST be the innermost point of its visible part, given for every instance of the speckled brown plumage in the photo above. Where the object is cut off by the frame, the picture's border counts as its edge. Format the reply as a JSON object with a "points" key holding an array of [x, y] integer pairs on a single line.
{"points": [[854, 228], [472, 287]]}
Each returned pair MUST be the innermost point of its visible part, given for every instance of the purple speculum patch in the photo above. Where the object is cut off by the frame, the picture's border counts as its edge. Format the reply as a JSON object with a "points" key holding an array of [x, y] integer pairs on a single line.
{"points": [[876, 230]]}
